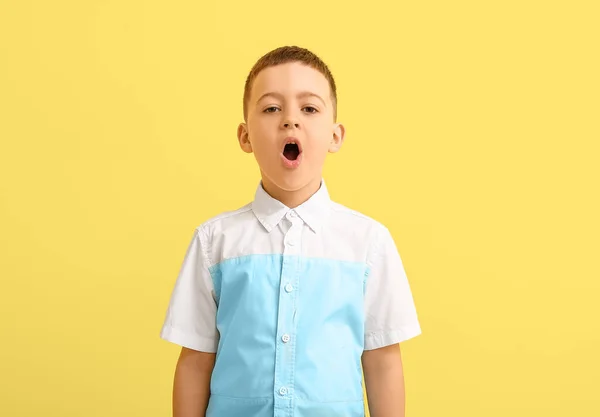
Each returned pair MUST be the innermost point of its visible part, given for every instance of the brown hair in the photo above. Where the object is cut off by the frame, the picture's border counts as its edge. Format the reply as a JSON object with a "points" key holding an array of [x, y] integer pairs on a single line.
{"points": [[283, 55]]}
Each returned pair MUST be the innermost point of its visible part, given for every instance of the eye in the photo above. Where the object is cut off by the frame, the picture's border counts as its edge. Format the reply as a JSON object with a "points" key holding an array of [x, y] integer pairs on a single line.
{"points": [[311, 109], [271, 109]]}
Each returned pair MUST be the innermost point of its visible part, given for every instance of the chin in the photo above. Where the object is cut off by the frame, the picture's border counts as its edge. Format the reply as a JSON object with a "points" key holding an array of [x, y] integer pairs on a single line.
{"points": [[289, 183]]}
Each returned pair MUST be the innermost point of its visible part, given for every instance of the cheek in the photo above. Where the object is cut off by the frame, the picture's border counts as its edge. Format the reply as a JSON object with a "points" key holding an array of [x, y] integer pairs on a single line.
{"points": [[263, 128], [262, 143], [321, 137]]}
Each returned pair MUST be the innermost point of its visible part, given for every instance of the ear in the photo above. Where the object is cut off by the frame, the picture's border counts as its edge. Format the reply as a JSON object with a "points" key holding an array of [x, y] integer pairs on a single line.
{"points": [[243, 138], [337, 139]]}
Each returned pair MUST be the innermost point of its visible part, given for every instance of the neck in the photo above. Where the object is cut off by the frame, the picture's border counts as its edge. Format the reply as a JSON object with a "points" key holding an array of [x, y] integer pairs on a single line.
{"points": [[293, 198]]}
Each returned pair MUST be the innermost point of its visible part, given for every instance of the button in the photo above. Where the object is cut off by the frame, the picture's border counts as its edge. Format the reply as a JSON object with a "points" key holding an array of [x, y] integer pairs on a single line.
{"points": [[285, 338], [291, 242], [293, 214], [283, 391], [289, 288]]}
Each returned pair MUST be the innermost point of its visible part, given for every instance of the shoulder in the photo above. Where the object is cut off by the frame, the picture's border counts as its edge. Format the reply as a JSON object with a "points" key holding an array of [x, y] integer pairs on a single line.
{"points": [[226, 220], [347, 216], [358, 227]]}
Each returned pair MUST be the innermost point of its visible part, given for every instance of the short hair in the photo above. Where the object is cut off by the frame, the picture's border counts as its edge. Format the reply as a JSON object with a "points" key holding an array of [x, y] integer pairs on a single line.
{"points": [[287, 54]]}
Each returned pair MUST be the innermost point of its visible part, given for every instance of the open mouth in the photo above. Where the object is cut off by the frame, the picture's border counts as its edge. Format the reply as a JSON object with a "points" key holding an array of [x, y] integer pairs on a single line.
{"points": [[291, 151]]}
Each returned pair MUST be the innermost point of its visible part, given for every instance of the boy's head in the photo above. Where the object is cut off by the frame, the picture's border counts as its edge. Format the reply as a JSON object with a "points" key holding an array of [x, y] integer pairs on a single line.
{"points": [[284, 55], [290, 102]]}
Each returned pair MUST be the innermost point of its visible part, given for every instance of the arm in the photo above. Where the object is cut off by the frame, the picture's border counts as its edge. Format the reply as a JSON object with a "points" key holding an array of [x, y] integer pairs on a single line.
{"points": [[191, 323], [191, 386], [390, 318], [384, 381]]}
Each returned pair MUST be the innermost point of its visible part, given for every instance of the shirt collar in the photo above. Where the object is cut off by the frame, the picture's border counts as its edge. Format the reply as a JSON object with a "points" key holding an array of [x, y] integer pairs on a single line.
{"points": [[314, 211]]}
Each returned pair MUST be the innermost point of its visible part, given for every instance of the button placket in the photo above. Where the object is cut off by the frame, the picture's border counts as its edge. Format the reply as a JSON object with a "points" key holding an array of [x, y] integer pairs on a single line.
{"points": [[285, 346], [292, 237]]}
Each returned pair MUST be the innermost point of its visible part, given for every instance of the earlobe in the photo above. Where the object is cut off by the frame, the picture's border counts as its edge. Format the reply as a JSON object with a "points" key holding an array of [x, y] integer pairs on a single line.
{"points": [[337, 139], [244, 138]]}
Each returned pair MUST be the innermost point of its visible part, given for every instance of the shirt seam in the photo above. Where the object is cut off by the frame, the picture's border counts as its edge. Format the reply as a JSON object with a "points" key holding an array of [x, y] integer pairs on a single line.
{"points": [[376, 245], [205, 245], [216, 266], [194, 335]]}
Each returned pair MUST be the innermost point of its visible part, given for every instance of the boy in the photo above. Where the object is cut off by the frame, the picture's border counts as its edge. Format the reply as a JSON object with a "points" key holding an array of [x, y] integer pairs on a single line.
{"points": [[279, 303]]}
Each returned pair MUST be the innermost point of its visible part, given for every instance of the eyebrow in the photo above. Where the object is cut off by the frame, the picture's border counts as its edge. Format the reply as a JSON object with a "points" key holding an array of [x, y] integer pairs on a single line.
{"points": [[299, 95]]}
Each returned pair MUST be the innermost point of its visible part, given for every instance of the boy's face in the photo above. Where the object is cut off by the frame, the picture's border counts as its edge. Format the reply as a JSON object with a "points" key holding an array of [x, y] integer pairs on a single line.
{"points": [[290, 103]]}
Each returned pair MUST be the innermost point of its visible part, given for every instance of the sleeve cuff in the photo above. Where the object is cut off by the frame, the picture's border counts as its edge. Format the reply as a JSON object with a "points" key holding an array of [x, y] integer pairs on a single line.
{"points": [[202, 344], [376, 340]]}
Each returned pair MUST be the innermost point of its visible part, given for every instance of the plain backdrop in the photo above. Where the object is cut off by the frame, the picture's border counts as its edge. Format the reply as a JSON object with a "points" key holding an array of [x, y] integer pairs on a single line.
{"points": [[472, 133]]}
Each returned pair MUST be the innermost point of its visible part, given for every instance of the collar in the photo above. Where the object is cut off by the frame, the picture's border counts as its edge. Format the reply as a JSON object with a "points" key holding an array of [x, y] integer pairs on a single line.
{"points": [[314, 211]]}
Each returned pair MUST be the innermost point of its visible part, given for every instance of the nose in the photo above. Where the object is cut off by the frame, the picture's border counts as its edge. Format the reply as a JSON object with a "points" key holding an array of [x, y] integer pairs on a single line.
{"points": [[289, 122]]}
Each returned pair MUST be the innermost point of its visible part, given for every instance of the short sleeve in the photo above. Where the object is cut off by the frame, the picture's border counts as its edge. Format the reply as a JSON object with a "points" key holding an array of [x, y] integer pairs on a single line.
{"points": [[191, 315], [390, 313]]}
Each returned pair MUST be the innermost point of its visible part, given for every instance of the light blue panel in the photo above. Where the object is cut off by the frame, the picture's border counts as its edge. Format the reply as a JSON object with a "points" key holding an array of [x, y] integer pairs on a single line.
{"points": [[324, 317], [247, 292], [219, 406], [330, 331]]}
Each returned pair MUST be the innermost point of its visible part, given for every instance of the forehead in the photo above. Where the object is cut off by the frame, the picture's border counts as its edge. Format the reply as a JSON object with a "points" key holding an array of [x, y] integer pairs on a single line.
{"points": [[290, 78]]}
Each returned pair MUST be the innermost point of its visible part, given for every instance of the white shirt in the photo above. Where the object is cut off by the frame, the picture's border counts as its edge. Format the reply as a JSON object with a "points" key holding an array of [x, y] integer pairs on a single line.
{"points": [[289, 299]]}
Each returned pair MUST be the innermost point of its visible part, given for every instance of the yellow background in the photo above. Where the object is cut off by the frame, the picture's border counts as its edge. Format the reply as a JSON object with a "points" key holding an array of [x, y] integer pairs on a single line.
{"points": [[473, 132]]}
